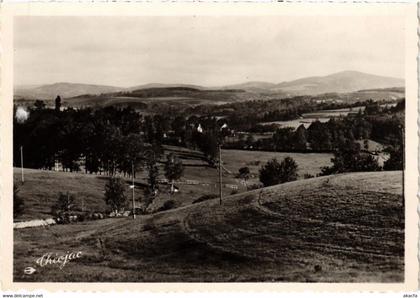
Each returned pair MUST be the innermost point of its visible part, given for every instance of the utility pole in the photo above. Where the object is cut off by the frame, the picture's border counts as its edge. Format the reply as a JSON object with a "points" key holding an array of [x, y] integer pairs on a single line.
{"points": [[220, 174], [21, 163], [132, 186], [220, 161]]}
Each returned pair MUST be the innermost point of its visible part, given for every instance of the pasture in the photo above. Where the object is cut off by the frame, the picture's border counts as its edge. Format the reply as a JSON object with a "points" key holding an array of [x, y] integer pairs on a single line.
{"points": [[308, 163], [41, 188], [321, 116], [343, 228]]}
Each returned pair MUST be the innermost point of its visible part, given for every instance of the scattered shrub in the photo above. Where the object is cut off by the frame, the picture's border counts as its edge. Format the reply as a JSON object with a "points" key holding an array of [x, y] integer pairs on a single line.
{"points": [[65, 204], [170, 204], [348, 157], [205, 198], [254, 186], [273, 172], [18, 203], [82, 217], [308, 176], [66, 218], [96, 215]]}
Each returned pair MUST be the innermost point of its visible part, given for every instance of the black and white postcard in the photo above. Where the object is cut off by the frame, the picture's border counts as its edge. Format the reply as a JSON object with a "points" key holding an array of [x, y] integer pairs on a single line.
{"points": [[209, 146]]}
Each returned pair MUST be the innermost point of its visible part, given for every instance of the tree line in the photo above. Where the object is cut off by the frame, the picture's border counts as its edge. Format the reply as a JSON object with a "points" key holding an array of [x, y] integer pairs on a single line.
{"points": [[106, 140], [110, 140], [385, 126]]}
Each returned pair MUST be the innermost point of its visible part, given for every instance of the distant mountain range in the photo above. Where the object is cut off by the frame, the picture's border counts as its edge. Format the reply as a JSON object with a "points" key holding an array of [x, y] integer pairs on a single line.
{"points": [[346, 81], [65, 90], [341, 82]]}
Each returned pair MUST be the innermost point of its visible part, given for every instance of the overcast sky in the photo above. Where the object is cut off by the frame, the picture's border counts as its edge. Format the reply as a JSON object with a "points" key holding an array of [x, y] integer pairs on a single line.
{"points": [[211, 51]]}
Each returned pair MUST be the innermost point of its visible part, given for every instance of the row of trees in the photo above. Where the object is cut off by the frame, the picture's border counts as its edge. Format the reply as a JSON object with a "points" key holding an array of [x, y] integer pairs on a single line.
{"points": [[105, 140], [385, 128], [109, 140], [244, 115], [54, 134], [348, 157], [115, 190]]}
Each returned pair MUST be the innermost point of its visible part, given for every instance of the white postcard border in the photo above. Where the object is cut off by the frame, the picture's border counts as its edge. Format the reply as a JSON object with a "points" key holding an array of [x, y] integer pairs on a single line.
{"points": [[9, 10]]}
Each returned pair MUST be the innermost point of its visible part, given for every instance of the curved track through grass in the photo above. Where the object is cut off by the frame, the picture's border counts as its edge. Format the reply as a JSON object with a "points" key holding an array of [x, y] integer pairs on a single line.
{"points": [[343, 228]]}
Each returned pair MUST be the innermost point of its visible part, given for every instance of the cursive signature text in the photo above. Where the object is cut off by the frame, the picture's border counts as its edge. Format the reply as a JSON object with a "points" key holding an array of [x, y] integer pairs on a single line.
{"points": [[57, 259]]}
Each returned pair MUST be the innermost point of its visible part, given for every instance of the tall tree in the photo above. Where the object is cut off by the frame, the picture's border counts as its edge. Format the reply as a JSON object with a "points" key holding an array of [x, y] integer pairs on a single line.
{"points": [[395, 160], [58, 103], [178, 125], [319, 136], [300, 138], [282, 139], [131, 154], [152, 180], [244, 174], [208, 144], [153, 174], [114, 194], [348, 157]]}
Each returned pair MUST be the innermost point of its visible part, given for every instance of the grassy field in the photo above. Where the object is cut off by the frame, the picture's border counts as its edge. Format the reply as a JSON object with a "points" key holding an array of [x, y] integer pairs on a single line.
{"points": [[332, 113], [343, 228], [171, 96], [41, 188], [321, 116]]}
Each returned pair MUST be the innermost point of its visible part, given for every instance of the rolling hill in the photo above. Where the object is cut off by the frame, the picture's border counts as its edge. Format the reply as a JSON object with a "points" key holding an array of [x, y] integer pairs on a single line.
{"points": [[65, 90], [42, 187], [252, 86], [346, 81], [162, 86], [342, 228], [187, 96], [342, 82]]}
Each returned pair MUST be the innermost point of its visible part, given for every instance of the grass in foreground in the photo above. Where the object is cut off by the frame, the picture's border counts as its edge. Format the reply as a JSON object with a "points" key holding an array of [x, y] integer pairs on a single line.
{"points": [[41, 188], [344, 228]]}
